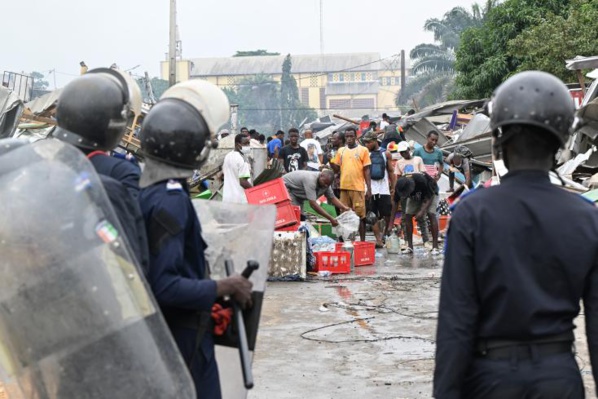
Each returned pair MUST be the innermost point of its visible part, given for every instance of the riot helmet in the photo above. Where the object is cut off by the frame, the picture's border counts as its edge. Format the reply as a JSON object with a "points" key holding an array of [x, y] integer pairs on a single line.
{"points": [[180, 129], [95, 109], [532, 98]]}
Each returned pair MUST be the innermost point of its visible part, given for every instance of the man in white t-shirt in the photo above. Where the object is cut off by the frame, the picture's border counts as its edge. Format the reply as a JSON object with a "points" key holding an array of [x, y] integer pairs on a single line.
{"points": [[385, 122], [314, 151], [408, 164], [237, 173]]}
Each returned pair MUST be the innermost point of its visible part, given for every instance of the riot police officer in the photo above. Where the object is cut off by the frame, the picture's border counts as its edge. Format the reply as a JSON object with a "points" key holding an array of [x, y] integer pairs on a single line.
{"points": [[519, 258], [93, 113], [176, 138]]}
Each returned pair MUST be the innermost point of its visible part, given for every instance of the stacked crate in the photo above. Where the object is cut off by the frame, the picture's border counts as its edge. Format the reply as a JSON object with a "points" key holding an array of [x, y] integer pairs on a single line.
{"points": [[274, 192]]}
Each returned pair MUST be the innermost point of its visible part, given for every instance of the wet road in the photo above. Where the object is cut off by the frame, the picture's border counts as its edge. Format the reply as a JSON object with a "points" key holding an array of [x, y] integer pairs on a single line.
{"points": [[369, 334]]}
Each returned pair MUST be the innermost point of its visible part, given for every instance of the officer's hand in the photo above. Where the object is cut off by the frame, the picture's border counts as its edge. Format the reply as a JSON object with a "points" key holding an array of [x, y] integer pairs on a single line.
{"points": [[238, 288], [334, 222]]}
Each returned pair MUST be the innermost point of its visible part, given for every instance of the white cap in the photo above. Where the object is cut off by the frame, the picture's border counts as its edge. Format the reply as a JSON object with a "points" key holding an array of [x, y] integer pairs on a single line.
{"points": [[205, 97], [403, 146]]}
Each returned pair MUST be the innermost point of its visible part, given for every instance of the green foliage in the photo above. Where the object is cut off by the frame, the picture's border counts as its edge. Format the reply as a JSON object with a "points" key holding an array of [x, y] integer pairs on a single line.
{"points": [[483, 58], [259, 102], [267, 105], [434, 64], [546, 46], [159, 86], [253, 53], [39, 82]]}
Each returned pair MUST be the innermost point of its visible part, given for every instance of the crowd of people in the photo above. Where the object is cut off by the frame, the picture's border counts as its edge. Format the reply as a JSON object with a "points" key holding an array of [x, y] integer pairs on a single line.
{"points": [[376, 175], [519, 257]]}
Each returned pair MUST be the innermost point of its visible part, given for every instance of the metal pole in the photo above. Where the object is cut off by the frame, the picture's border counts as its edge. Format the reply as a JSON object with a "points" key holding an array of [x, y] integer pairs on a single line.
{"points": [[402, 69], [321, 26], [172, 45]]}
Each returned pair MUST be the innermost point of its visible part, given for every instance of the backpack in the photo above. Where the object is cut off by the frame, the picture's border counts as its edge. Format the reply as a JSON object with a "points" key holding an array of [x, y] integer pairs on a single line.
{"points": [[378, 167]]}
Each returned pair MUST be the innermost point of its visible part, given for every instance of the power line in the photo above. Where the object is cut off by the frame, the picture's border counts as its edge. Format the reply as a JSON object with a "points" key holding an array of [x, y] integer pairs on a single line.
{"points": [[350, 68]]}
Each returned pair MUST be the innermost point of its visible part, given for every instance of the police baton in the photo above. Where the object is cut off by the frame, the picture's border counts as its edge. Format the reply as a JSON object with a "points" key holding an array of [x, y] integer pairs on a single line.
{"points": [[239, 320]]}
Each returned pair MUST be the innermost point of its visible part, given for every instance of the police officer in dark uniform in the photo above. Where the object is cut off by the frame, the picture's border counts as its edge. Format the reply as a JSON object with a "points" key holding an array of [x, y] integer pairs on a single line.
{"points": [[176, 137], [93, 112], [519, 257]]}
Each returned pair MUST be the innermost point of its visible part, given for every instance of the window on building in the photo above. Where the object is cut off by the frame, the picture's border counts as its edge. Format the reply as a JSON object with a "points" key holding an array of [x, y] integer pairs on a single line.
{"points": [[314, 80], [322, 98], [363, 103], [363, 77], [341, 77], [340, 104], [305, 96]]}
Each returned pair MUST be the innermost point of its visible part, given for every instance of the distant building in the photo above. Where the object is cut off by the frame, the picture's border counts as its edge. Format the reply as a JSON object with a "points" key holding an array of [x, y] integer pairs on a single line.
{"points": [[354, 84]]}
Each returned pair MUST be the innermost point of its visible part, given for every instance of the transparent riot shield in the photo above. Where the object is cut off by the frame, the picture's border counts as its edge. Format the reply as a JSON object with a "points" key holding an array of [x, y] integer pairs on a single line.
{"points": [[241, 233], [76, 319]]}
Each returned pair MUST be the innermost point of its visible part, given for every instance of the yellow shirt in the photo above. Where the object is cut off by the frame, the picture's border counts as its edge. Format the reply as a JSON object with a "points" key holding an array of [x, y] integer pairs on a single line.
{"points": [[352, 161]]}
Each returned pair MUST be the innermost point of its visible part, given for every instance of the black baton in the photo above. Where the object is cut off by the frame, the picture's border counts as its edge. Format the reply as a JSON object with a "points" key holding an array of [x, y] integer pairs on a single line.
{"points": [[239, 320]]}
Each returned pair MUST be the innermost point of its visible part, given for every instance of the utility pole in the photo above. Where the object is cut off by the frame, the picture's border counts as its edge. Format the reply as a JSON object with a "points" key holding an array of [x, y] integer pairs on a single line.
{"points": [[403, 71], [172, 45], [321, 26]]}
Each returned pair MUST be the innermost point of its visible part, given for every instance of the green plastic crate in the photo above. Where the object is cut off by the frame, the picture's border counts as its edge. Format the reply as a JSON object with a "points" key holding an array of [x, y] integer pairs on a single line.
{"points": [[204, 195], [328, 208], [325, 229]]}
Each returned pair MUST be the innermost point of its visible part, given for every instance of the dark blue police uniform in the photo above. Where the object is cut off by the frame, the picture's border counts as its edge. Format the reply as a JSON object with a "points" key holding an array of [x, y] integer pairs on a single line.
{"points": [[178, 278], [519, 258], [122, 170], [120, 177]]}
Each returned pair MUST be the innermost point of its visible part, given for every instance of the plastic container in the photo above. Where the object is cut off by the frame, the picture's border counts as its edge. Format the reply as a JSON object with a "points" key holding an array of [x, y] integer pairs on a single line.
{"points": [[364, 253], [334, 262], [348, 247], [285, 215], [272, 192], [393, 244]]}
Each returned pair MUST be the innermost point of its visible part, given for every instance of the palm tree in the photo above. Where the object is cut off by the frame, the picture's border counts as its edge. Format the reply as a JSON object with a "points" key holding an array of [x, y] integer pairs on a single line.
{"points": [[435, 63]]}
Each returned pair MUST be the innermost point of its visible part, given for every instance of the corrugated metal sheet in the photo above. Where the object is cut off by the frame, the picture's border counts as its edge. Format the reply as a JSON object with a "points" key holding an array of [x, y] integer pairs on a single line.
{"points": [[11, 108], [226, 66], [41, 104]]}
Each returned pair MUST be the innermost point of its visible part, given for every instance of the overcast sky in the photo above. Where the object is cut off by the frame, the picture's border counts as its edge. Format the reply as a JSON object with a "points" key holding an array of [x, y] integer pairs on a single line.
{"points": [[41, 35]]}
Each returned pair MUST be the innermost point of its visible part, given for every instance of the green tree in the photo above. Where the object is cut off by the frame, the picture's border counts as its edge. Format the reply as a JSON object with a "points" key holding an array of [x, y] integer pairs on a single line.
{"points": [[546, 46], [258, 101], [292, 111], [39, 82], [159, 86], [434, 64], [483, 59], [253, 53]]}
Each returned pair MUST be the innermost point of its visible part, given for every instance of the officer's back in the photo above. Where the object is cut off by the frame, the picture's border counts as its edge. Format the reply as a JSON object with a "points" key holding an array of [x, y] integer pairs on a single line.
{"points": [[532, 254], [519, 258]]}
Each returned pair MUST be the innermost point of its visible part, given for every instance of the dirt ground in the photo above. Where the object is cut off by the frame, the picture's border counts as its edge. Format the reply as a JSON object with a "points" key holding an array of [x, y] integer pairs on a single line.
{"points": [[369, 334]]}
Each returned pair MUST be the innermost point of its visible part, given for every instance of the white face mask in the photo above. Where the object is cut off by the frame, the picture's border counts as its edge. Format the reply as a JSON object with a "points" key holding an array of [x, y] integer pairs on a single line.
{"points": [[246, 150]]}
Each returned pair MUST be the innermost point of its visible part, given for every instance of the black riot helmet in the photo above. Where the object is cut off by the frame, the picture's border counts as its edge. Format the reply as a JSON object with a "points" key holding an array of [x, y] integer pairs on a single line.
{"points": [[94, 110], [532, 98], [180, 129]]}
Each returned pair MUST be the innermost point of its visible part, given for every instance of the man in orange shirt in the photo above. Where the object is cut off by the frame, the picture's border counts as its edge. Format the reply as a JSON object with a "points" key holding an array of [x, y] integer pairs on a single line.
{"points": [[353, 162]]}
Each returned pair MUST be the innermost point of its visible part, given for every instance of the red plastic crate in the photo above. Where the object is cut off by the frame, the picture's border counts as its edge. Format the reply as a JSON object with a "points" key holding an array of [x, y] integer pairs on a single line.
{"points": [[272, 192], [334, 262], [364, 253], [285, 215], [293, 227]]}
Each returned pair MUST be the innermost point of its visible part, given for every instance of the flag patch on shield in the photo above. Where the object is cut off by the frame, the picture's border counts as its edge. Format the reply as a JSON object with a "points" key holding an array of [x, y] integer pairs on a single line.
{"points": [[82, 182], [106, 232]]}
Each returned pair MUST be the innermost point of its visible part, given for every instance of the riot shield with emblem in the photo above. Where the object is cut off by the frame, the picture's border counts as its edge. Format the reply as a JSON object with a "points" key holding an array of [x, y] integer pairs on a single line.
{"points": [[240, 233], [76, 318]]}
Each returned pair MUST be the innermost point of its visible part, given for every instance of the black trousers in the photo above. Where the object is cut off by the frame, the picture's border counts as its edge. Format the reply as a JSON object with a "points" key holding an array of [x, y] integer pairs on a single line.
{"points": [[539, 377]]}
